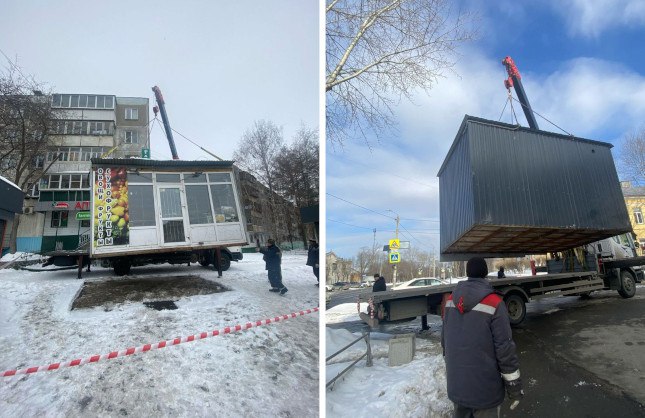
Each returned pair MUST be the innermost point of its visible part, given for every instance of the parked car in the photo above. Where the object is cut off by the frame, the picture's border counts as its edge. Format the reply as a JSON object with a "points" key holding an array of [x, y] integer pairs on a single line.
{"points": [[329, 288], [419, 282], [367, 284], [341, 286]]}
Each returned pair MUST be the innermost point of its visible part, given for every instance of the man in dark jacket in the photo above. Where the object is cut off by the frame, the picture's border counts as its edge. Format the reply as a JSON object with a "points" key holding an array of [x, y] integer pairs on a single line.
{"points": [[500, 273], [312, 258], [379, 284], [478, 347], [273, 258]]}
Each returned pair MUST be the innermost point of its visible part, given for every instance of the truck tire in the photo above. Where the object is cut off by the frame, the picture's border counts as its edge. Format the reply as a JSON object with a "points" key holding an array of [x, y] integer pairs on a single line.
{"points": [[628, 285], [206, 258], [121, 266], [516, 308], [226, 262]]}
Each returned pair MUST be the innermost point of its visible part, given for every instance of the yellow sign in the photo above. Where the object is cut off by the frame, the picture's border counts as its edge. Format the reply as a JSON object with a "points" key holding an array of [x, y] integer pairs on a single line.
{"points": [[395, 257], [395, 244]]}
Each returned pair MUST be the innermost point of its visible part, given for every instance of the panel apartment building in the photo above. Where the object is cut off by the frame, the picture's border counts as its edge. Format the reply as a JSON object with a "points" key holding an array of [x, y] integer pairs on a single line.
{"points": [[56, 215]]}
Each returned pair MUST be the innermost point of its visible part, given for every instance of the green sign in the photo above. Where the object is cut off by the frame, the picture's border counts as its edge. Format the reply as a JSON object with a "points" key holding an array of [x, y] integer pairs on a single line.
{"points": [[83, 216], [145, 153]]}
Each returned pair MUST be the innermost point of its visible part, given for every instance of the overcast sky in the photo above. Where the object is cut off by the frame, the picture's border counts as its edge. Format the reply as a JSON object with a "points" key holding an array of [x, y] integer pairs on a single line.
{"points": [[220, 65], [582, 67]]}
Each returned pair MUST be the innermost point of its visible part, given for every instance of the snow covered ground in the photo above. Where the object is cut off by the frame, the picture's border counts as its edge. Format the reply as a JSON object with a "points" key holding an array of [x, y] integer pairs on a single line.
{"points": [[271, 370], [417, 389]]}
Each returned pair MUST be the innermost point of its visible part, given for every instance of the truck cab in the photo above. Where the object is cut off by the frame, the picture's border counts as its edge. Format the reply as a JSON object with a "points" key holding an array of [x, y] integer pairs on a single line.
{"points": [[614, 248]]}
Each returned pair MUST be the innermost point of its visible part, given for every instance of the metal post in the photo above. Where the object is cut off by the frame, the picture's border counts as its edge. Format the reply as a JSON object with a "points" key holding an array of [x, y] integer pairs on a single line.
{"points": [[424, 322], [218, 257], [369, 348]]}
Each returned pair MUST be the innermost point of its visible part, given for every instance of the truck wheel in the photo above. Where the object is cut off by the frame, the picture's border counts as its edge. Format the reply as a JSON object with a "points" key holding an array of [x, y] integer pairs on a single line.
{"points": [[226, 262], [516, 308], [121, 266], [628, 285], [206, 258]]}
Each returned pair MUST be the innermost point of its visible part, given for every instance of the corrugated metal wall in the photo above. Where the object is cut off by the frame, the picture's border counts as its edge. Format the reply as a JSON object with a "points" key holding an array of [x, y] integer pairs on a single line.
{"points": [[527, 179], [456, 214]]}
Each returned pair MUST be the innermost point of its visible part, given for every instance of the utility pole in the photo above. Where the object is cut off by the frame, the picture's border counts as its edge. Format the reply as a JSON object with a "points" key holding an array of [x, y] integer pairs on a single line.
{"points": [[397, 237], [373, 261]]}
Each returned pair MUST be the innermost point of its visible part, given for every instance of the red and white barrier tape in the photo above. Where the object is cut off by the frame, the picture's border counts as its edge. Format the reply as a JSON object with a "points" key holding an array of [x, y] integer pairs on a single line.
{"points": [[162, 344]]}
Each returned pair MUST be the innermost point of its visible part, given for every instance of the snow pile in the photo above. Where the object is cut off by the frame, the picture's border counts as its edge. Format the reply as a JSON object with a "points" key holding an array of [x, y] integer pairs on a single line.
{"points": [[417, 389], [257, 372], [20, 256]]}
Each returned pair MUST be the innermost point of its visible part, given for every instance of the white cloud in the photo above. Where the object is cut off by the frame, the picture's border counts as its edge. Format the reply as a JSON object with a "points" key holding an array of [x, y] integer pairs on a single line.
{"points": [[589, 18]]}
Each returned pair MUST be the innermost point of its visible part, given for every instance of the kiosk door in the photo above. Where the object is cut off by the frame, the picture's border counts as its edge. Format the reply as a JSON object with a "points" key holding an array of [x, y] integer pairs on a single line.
{"points": [[172, 214]]}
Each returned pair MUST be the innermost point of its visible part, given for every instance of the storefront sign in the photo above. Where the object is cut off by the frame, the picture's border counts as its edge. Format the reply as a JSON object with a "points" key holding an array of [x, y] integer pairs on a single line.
{"points": [[110, 191], [83, 216], [82, 206]]}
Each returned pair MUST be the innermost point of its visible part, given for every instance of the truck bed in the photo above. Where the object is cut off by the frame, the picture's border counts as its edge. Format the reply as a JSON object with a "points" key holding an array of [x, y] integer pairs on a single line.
{"points": [[447, 288]]}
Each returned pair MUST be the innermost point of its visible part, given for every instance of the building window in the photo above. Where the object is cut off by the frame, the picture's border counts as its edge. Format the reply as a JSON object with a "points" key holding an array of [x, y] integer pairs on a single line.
{"points": [[39, 161], [59, 219], [74, 154], [131, 137], [75, 182], [141, 206], [638, 215], [199, 206], [85, 223], [54, 182], [224, 203], [131, 113], [33, 190], [83, 101], [64, 181]]}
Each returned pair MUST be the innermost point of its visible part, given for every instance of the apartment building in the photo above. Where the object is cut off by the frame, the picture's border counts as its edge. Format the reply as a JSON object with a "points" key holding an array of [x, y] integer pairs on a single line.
{"points": [[56, 215], [257, 201]]}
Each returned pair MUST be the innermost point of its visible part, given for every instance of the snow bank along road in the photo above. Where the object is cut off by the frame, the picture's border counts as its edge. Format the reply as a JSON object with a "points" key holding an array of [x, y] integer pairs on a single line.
{"points": [[255, 372]]}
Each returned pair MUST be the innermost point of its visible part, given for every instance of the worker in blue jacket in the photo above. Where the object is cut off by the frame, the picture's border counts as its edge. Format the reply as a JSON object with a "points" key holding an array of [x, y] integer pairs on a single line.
{"points": [[273, 259], [478, 347]]}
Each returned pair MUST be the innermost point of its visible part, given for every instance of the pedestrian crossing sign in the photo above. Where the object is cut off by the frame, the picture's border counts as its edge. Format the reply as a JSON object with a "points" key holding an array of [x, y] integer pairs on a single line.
{"points": [[395, 257], [395, 244]]}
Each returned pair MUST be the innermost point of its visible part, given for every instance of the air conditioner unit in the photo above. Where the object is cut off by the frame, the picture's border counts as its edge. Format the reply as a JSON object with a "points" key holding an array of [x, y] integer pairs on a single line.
{"points": [[28, 210]]}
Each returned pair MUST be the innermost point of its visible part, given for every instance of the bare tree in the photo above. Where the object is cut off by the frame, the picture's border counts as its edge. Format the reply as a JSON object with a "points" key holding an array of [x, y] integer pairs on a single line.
{"points": [[257, 153], [297, 171], [297, 168], [379, 51], [363, 262], [26, 119], [632, 156]]}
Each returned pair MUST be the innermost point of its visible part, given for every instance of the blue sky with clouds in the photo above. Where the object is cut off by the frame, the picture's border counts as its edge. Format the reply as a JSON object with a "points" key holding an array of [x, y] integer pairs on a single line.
{"points": [[582, 67]]}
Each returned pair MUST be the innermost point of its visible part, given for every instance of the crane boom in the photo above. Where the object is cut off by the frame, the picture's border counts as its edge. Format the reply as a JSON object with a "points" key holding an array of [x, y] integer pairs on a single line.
{"points": [[515, 80], [166, 123]]}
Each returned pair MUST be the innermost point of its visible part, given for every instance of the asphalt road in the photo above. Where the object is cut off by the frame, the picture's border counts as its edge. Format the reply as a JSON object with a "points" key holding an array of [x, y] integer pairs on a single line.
{"points": [[583, 358], [578, 358]]}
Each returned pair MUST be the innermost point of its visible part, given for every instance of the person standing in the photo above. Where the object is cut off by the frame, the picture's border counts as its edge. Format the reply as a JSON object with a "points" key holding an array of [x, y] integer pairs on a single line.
{"points": [[478, 347], [312, 259], [379, 284], [273, 259], [500, 273]]}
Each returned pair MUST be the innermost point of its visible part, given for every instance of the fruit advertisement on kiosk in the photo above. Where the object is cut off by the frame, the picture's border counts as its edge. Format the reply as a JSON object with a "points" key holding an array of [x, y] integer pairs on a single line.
{"points": [[110, 193]]}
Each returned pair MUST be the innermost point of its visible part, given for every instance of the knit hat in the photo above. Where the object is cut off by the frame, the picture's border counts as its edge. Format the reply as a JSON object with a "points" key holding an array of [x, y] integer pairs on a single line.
{"points": [[476, 267]]}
